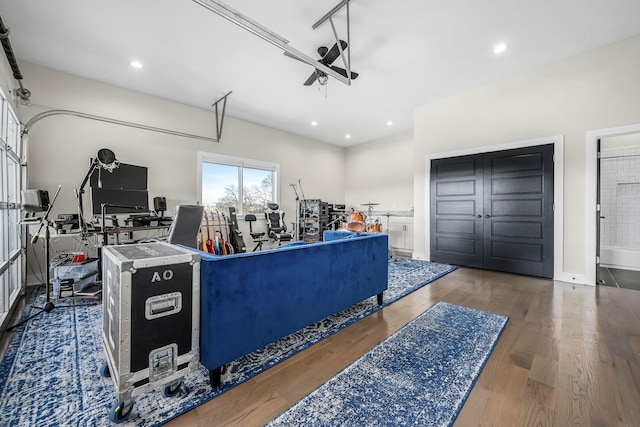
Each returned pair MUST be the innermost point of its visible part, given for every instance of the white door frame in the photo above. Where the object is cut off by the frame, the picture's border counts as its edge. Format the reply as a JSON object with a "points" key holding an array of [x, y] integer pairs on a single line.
{"points": [[558, 191], [590, 187]]}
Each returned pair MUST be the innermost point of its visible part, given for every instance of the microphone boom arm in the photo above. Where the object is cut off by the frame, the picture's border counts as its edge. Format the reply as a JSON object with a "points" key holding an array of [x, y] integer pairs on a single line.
{"points": [[79, 192], [45, 218]]}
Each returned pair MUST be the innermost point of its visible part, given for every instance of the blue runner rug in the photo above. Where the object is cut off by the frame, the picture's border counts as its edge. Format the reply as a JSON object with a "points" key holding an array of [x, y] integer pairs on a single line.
{"points": [[420, 376], [50, 376]]}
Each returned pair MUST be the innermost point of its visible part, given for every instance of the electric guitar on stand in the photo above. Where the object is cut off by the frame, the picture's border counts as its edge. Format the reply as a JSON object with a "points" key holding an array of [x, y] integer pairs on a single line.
{"points": [[227, 243], [203, 241], [210, 247], [223, 248]]}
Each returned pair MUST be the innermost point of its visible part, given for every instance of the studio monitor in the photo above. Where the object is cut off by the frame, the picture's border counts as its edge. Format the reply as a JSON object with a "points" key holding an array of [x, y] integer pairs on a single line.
{"points": [[35, 200], [160, 204]]}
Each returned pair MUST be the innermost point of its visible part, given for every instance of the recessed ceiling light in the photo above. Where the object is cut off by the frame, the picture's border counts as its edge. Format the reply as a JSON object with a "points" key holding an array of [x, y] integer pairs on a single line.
{"points": [[500, 47], [135, 64], [314, 123], [389, 123], [347, 136]]}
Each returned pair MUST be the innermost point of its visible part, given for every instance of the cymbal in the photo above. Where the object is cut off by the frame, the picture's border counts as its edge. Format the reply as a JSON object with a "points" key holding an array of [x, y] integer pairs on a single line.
{"points": [[369, 204]]}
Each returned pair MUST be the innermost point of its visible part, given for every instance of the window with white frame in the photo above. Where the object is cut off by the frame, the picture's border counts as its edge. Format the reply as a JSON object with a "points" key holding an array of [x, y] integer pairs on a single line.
{"points": [[248, 185], [11, 183]]}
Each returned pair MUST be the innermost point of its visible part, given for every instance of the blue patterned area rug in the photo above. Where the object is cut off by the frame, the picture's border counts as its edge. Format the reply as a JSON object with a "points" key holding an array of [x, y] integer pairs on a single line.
{"points": [[50, 376], [420, 376]]}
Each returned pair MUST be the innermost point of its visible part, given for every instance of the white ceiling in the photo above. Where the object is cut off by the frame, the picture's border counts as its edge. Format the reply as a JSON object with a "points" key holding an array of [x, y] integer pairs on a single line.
{"points": [[408, 52]]}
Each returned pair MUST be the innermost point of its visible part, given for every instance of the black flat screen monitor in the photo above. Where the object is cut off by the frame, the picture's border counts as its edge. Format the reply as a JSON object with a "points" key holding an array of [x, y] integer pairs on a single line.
{"points": [[124, 177], [133, 201]]}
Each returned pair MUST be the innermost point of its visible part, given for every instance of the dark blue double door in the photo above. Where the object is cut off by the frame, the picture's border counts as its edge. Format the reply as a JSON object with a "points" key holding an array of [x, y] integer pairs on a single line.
{"points": [[494, 210]]}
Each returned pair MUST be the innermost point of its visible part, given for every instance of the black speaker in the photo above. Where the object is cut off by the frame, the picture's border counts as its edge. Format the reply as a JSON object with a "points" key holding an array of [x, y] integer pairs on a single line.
{"points": [[160, 204], [35, 200]]}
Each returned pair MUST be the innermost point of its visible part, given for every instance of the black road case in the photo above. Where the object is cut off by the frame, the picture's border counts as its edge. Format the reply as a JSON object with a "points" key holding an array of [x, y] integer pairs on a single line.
{"points": [[151, 300]]}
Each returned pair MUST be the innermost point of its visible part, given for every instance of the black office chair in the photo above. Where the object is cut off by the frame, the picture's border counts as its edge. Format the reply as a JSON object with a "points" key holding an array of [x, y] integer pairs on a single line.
{"points": [[186, 225], [276, 228], [257, 237]]}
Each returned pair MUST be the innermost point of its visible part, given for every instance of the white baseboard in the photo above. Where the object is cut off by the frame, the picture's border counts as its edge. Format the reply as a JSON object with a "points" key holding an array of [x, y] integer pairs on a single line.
{"points": [[418, 255], [626, 259], [579, 279]]}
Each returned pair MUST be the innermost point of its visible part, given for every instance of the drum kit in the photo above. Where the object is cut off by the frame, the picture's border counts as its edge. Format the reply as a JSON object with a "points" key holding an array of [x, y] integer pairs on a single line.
{"points": [[358, 222]]}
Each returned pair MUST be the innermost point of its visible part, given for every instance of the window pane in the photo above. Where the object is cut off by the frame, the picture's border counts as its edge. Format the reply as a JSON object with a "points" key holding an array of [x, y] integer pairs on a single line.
{"points": [[257, 190], [245, 184], [12, 132], [13, 197], [14, 279], [5, 303], [220, 186]]}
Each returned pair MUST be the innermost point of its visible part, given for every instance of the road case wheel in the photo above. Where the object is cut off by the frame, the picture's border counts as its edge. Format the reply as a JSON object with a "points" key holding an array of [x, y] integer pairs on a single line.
{"points": [[104, 370], [120, 412], [172, 389]]}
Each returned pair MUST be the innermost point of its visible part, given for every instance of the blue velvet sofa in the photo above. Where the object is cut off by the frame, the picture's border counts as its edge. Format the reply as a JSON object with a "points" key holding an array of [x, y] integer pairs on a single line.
{"points": [[251, 299]]}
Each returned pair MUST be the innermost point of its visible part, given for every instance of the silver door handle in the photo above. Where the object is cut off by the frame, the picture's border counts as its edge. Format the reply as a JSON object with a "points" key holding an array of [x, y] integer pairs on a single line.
{"points": [[487, 216]]}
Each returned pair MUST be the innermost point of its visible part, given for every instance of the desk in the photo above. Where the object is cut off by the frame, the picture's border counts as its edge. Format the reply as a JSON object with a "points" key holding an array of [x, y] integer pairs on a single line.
{"points": [[65, 245], [117, 231], [92, 236]]}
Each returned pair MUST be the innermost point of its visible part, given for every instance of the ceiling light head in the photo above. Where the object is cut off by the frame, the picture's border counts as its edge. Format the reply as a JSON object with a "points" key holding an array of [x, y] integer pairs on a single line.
{"points": [[389, 123], [500, 47], [314, 123], [347, 136], [135, 64]]}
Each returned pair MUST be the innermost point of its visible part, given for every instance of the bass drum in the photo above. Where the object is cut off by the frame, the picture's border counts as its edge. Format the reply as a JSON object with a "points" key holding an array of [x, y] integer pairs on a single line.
{"points": [[356, 222]]}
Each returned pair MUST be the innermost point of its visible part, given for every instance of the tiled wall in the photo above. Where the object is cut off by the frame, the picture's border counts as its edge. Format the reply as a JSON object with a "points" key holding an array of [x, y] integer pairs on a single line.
{"points": [[620, 197]]}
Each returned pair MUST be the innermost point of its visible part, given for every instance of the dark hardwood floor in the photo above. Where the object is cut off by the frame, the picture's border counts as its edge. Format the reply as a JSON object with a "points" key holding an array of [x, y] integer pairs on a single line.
{"points": [[570, 355]]}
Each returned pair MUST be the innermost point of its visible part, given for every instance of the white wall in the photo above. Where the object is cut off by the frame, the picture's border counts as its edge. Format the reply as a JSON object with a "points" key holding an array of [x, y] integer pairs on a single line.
{"points": [[594, 90], [380, 172], [60, 146]]}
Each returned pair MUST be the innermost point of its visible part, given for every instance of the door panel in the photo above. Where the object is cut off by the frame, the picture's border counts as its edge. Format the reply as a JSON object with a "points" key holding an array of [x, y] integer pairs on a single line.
{"points": [[515, 207], [520, 191], [457, 245], [523, 229], [456, 188], [494, 210], [456, 226], [505, 163], [522, 185], [516, 251], [456, 207], [456, 203]]}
